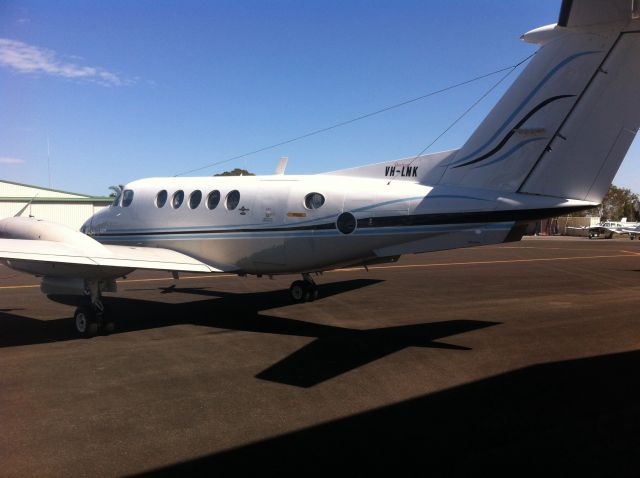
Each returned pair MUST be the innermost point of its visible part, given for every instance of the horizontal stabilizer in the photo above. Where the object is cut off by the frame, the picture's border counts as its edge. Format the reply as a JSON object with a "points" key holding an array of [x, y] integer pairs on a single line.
{"points": [[581, 13]]}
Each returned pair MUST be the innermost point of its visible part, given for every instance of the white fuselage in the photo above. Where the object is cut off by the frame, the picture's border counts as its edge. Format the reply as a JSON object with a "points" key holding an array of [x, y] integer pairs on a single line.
{"points": [[272, 231]]}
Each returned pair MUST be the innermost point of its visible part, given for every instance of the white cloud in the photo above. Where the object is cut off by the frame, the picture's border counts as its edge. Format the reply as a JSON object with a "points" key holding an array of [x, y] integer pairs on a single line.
{"points": [[6, 160], [25, 58]]}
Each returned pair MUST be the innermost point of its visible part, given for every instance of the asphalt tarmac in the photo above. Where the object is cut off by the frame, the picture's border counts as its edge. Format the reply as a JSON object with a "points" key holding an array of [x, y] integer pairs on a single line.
{"points": [[523, 358]]}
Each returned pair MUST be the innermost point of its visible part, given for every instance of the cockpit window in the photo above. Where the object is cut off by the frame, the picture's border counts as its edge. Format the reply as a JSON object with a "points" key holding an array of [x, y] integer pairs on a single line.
{"points": [[213, 199], [161, 198], [194, 199], [178, 197], [313, 201], [127, 198], [233, 199], [116, 199]]}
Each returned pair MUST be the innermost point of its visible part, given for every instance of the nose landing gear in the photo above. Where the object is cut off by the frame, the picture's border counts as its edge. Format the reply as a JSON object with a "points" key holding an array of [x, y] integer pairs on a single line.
{"points": [[304, 290]]}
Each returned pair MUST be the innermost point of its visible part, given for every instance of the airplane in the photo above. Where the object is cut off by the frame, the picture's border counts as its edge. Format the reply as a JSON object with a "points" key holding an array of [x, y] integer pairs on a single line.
{"points": [[607, 229], [550, 146], [633, 232]]}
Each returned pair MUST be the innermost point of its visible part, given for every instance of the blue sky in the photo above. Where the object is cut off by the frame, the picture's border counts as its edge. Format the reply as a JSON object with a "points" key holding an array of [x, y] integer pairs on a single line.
{"points": [[131, 89]]}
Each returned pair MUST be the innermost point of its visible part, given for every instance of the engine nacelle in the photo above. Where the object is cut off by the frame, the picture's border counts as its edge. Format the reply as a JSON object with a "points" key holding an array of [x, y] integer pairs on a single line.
{"points": [[27, 228], [40, 230]]}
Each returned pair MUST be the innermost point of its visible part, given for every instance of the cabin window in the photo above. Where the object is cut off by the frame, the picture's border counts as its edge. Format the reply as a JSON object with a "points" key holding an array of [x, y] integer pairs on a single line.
{"points": [[178, 197], [161, 198], [213, 199], [313, 201], [232, 201], [127, 198], [194, 199]]}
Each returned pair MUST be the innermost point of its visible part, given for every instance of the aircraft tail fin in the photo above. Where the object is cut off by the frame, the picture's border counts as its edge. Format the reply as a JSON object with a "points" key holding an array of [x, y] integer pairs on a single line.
{"points": [[564, 126]]}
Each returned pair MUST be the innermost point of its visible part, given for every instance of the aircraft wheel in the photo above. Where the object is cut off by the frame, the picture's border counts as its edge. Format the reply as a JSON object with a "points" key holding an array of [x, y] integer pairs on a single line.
{"points": [[314, 292], [86, 322], [107, 324], [108, 327], [300, 291]]}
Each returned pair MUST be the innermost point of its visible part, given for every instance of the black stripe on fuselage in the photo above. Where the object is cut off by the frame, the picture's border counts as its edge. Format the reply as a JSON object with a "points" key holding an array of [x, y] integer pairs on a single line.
{"points": [[513, 130], [386, 221]]}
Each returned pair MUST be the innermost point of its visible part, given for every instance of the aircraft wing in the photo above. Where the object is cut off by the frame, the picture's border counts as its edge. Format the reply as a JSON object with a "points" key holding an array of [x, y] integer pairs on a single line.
{"points": [[114, 256]]}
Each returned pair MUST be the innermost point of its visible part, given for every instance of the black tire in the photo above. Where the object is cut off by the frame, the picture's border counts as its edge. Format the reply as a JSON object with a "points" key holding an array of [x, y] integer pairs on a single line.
{"points": [[85, 322], [298, 291], [314, 293], [107, 324]]}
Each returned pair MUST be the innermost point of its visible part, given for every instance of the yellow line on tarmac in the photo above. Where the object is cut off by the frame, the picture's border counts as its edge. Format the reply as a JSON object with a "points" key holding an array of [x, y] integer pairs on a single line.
{"points": [[128, 281], [352, 269], [471, 263], [19, 286]]}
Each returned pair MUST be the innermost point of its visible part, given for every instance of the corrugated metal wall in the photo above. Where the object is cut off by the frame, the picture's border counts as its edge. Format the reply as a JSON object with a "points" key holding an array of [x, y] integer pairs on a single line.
{"points": [[69, 209]]}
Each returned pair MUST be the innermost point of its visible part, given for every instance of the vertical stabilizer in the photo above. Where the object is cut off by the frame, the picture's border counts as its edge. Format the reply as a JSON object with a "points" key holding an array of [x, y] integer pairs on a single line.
{"points": [[564, 126]]}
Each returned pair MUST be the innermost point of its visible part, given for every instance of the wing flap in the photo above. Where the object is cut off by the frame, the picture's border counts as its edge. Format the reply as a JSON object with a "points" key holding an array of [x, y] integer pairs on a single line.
{"points": [[114, 256], [152, 258]]}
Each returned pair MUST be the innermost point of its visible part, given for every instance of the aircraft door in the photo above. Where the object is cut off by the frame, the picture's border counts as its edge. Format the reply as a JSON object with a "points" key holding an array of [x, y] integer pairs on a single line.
{"points": [[269, 209], [311, 210]]}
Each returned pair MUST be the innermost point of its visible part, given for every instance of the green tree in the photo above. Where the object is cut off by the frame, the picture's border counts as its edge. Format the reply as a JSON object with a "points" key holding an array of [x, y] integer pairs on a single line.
{"points": [[617, 203], [235, 172]]}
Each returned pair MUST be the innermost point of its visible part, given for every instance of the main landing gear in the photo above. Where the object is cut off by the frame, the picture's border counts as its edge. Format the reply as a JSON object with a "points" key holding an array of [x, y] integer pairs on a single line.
{"points": [[304, 290], [91, 319]]}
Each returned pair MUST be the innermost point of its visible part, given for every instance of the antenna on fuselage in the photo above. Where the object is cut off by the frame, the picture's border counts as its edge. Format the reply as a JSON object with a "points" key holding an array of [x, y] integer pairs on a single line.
{"points": [[282, 165], [19, 213]]}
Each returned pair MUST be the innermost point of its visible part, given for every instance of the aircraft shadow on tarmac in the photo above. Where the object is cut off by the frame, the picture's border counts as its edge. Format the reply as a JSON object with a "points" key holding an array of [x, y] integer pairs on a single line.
{"points": [[335, 350], [570, 418]]}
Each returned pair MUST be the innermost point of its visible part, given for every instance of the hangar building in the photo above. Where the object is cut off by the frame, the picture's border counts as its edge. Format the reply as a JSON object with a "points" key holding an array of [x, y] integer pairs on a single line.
{"points": [[70, 209]]}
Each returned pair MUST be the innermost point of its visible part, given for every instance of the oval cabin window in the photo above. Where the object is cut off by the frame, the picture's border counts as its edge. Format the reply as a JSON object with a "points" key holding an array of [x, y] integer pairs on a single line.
{"points": [[313, 201], [178, 197], [233, 199], [194, 199], [213, 199], [161, 198]]}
